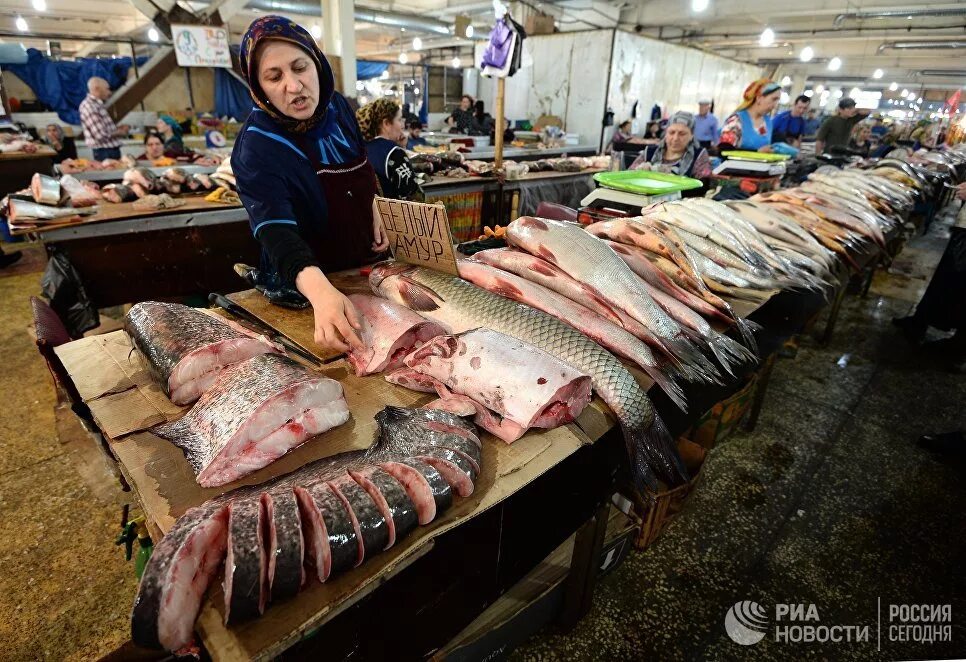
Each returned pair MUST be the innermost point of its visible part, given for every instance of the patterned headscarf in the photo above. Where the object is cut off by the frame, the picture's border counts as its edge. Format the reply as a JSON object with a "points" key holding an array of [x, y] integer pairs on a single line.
{"points": [[760, 88], [283, 29], [372, 115], [690, 152]]}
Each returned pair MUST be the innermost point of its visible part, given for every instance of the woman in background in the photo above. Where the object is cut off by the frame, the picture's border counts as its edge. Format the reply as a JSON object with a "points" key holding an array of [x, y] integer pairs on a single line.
{"points": [[750, 126], [381, 124], [63, 145], [678, 153]]}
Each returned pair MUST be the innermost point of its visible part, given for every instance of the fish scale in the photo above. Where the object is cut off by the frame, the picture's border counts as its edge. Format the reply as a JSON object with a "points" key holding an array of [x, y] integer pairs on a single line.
{"points": [[464, 306]]}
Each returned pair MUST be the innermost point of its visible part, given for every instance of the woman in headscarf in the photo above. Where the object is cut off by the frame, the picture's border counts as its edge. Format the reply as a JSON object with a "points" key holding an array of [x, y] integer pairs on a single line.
{"points": [[63, 145], [749, 127], [302, 173], [678, 152], [170, 132], [381, 123]]}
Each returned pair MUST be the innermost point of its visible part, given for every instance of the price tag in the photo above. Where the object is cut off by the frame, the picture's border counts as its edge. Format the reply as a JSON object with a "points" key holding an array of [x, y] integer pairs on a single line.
{"points": [[419, 233]]}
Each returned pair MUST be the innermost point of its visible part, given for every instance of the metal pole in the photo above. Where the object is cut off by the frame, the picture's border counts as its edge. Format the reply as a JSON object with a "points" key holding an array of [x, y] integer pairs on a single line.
{"points": [[500, 124]]}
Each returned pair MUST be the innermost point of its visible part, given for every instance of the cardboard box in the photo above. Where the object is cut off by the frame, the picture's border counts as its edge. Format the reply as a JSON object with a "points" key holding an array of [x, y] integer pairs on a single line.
{"points": [[539, 23]]}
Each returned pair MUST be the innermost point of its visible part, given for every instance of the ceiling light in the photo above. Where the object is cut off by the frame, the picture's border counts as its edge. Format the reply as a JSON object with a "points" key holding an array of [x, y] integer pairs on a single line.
{"points": [[317, 31], [807, 54], [786, 81], [360, 85], [385, 74], [905, 93], [412, 81], [469, 31], [153, 34], [784, 97], [417, 44], [819, 88], [919, 100], [894, 86], [835, 64], [808, 93], [838, 93], [767, 37], [854, 92], [699, 6], [403, 58], [40, 5], [878, 73], [416, 91], [22, 24], [455, 62]]}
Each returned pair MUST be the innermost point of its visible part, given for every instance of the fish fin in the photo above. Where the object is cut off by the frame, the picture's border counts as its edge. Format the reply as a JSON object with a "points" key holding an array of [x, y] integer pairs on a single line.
{"points": [[507, 289], [545, 253], [533, 222], [652, 453], [416, 296], [684, 349], [666, 383], [543, 269], [734, 352]]}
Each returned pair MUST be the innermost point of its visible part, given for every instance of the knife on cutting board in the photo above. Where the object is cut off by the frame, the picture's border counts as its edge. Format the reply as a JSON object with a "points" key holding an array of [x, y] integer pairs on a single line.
{"points": [[254, 324]]}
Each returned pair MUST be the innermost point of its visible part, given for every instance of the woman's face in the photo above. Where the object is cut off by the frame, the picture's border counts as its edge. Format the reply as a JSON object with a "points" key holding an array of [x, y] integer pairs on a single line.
{"points": [[154, 148], [466, 103], [163, 127], [864, 134], [289, 78], [393, 129], [52, 133], [769, 102], [677, 138]]}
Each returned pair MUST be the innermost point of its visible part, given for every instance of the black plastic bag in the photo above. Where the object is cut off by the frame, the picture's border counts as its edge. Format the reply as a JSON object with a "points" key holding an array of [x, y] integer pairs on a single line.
{"points": [[63, 288]]}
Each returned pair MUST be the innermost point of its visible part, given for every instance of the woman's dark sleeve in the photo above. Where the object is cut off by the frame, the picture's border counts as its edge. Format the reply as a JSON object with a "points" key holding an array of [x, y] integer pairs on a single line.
{"points": [[287, 250]]}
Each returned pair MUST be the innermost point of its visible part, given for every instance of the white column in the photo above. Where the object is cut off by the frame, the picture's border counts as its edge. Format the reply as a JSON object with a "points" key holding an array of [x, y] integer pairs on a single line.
{"points": [[339, 38]]}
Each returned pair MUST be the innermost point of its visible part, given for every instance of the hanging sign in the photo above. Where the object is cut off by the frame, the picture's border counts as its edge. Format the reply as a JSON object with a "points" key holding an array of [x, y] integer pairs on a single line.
{"points": [[418, 233], [201, 46]]}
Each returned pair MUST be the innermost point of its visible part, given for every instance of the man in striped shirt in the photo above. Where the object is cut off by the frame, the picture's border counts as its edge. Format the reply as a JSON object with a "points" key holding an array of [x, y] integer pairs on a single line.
{"points": [[100, 132]]}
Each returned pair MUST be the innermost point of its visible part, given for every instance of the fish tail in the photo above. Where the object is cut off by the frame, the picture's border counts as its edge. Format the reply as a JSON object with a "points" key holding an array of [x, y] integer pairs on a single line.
{"points": [[667, 384], [729, 351], [689, 354], [745, 327], [653, 455]]}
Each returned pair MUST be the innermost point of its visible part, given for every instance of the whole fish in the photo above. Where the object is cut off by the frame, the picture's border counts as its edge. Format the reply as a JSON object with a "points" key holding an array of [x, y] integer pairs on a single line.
{"points": [[590, 261], [460, 306], [186, 348], [603, 331], [259, 533], [255, 412], [25, 211]]}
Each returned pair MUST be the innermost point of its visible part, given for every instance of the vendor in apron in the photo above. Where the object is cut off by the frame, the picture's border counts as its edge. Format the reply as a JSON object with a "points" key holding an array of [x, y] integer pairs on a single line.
{"points": [[750, 126], [302, 174]]}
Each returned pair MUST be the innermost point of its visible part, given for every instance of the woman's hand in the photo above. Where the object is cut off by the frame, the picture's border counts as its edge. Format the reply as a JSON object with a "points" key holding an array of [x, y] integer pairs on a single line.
{"points": [[380, 238], [766, 149], [336, 319]]}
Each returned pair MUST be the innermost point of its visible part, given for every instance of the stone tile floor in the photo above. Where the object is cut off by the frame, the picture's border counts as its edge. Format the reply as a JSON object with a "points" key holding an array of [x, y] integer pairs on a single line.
{"points": [[828, 501]]}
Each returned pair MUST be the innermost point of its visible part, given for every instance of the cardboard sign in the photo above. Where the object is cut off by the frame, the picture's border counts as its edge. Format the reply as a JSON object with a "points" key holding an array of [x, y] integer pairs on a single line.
{"points": [[201, 46], [418, 233]]}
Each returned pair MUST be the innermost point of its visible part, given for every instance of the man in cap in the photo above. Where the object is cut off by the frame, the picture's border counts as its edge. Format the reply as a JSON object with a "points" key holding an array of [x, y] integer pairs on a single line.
{"points": [[100, 132], [837, 129], [706, 130]]}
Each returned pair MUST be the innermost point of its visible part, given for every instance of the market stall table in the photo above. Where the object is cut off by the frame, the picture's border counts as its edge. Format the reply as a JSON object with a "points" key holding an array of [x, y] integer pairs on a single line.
{"points": [[16, 168], [124, 254]]}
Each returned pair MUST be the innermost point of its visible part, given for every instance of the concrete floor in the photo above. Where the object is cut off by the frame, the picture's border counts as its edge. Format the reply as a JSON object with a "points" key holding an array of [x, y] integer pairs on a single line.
{"points": [[828, 501]]}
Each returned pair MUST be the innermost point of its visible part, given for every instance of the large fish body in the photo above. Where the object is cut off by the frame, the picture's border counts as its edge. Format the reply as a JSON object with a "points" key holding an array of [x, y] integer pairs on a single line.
{"points": [[609, 334], [540, 391], [260, 532], [255, 412], [389, 332], [460, 306], [187, 348]]}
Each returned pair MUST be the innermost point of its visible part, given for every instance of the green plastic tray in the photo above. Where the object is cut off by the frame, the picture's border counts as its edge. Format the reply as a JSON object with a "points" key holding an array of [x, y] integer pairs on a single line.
{"points": [[646, 182], [755, 156]]}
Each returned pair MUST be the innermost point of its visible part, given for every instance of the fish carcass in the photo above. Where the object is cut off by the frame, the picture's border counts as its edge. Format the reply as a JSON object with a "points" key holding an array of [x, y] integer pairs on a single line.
{"points": [[599, 329], [540, 391], [460, 306], [45, 189], [31, 213], [389, 332], [253, 413], [186, 348], [328, 515]]}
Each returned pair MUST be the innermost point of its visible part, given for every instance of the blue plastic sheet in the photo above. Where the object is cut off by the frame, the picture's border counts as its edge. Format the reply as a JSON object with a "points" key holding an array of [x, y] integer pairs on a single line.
{"points": [[367, 69], [61, 86], [231, 96]]}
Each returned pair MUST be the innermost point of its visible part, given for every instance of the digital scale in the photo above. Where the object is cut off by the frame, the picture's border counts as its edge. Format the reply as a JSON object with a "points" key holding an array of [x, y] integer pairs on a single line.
{"points": [[740, 163], [626, 192]]}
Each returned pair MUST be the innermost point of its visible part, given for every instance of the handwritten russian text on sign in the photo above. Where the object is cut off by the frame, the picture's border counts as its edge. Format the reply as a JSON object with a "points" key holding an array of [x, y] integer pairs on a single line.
{"points": [[418, 233], [201, 46]]}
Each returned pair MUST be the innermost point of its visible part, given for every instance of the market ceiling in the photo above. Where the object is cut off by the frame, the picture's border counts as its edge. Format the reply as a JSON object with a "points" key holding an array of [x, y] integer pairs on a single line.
{"points": [[912, 43]]}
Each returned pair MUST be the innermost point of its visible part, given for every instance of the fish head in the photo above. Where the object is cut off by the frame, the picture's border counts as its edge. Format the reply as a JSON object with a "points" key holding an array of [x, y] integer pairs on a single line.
{"points": [[391, 282]]}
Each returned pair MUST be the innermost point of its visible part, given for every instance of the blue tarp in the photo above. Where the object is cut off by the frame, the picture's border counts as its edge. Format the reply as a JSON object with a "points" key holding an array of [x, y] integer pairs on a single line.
{"points": [[231, 96], [424, 105], [366, 69], [61, 86]]}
